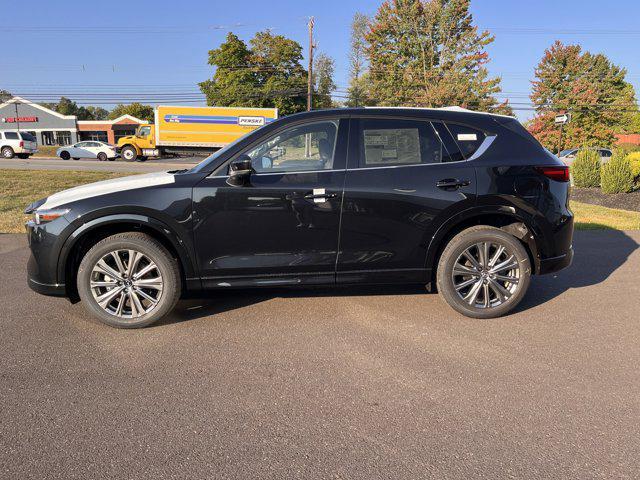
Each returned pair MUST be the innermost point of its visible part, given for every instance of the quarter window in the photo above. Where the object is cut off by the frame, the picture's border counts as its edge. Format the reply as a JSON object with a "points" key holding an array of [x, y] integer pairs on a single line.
{"points": [[467, 138], [398, 142], [11, 135], [301, 148]]}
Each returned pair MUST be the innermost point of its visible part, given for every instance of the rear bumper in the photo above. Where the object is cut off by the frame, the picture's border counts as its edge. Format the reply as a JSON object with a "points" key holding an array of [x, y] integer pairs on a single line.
{"points": [[555, 264]]}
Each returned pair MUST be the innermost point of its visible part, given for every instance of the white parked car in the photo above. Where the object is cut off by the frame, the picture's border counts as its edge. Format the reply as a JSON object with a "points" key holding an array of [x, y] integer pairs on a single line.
{"points": [[19, 144], [88, 149]]}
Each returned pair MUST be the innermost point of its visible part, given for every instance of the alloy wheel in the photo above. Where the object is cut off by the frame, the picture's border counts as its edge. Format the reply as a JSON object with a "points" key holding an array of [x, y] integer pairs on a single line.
{"points": [[126, 283], [486, 275]]}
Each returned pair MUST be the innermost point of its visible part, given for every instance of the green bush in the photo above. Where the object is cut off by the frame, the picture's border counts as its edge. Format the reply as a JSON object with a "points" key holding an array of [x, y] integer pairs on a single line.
{"points": [[586, 169], [616, 176], [634, 160]]}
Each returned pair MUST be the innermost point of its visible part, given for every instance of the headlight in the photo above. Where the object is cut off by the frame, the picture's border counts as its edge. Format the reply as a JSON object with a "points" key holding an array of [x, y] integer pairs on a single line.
{"points": [[45, 216]]}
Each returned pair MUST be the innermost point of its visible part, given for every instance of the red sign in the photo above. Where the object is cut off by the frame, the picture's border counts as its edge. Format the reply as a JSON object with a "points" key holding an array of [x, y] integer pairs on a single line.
{"points": [[19, 119]]}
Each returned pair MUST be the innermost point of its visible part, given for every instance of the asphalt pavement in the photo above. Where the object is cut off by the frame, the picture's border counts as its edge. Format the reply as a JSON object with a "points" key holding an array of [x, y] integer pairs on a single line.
{"points": [[95, 165], [357, 383]]}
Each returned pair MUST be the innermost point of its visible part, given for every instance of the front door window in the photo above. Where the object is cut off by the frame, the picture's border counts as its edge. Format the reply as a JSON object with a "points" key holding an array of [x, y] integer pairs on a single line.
{"points": [[297, 149]]}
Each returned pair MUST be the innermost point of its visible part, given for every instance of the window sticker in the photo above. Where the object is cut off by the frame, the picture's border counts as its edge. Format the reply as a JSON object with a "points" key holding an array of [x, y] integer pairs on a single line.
{"points": [[467, 137]]}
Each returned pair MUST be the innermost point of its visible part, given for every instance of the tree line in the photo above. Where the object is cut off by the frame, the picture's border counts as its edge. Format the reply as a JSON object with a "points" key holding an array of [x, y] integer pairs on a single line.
{"points": [[418, 53]]}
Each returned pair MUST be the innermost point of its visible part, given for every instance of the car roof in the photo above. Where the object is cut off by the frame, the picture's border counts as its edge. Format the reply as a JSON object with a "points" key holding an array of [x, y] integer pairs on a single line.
{"points": [[451, 114]]}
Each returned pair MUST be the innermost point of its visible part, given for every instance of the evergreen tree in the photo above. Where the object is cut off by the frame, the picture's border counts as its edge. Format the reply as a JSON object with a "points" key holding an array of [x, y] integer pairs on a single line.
{"points": [[428, 53], [323, 84], [358, 81], [588, 86]]}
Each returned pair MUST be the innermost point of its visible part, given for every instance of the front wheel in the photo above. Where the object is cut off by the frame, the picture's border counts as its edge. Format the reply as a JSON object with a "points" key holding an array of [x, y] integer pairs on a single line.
{"points": [[129, 154], [483, 272], [65, 155], [102, 157], [129, 280]]}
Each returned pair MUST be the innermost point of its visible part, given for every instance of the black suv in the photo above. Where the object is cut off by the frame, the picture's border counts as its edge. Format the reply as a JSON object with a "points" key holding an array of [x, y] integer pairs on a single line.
{"points": [[467, 202]]}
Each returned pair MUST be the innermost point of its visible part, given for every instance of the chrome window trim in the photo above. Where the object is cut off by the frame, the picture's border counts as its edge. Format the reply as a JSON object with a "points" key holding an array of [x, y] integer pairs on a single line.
{"points": [[300, 172]]}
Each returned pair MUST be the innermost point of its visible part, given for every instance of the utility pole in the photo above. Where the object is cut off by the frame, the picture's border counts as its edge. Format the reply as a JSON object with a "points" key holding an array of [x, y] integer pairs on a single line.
{"points": [[307, 137], [17, 117], [310, 75]]}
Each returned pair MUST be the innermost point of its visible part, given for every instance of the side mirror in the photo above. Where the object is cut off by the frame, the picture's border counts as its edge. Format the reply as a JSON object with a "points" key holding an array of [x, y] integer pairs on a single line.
{"points": [[239, 171]]}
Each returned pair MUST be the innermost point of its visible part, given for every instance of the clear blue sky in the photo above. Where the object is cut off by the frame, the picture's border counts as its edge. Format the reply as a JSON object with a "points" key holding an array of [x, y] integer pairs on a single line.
{"points": [[160, 46]]}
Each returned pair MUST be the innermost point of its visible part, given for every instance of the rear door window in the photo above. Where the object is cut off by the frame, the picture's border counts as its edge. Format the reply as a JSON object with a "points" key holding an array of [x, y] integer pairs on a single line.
{"points": [[27, 137], [390, 142], [468, 139]]}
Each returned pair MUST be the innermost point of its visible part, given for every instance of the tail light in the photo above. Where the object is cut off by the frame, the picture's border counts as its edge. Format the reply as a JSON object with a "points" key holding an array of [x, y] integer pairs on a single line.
{"points": [[21, 144], [557, 173]]}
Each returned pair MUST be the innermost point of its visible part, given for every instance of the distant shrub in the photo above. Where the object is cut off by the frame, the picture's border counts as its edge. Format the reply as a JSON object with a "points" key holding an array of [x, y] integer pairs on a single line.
{"points": [[586, 169], [616, 175], [634, 160], [629, 147]]}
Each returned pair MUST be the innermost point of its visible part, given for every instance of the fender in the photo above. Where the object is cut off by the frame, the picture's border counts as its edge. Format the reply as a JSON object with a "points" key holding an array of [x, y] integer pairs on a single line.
{"points": [[134, 146], [518, 215], [156, 225]]}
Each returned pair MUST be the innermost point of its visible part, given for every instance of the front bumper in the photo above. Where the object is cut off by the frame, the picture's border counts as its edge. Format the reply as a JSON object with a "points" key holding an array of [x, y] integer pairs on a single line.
{"points": [[44, 243]]}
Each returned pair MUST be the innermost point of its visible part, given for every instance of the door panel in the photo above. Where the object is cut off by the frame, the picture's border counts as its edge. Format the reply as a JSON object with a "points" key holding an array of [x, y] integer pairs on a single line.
{"points": [[279, 228], [391, 212]]}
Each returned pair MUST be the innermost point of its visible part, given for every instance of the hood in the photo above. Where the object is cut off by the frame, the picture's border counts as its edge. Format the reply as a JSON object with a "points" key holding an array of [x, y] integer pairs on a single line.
{"points": [[107, 186], [125, 139]]}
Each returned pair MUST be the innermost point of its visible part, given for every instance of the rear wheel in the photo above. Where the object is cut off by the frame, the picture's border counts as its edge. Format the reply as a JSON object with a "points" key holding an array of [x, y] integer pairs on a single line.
{"points": [[7, 152], [23, 156], [65, 155], [129, 154], [102, 157], [129, 280], [483, 272]]}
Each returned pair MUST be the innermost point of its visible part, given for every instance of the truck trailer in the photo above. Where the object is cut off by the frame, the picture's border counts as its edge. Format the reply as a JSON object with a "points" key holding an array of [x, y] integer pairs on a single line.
{"points": [[191, 130]]}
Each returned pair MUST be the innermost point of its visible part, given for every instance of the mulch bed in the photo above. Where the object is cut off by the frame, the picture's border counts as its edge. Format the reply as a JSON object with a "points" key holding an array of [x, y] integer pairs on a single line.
{"points": [[594, 196]]}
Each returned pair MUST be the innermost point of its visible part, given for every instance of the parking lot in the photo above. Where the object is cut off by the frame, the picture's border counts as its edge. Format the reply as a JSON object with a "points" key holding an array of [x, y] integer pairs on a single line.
{"points": [[351, 383], [95, 165]]}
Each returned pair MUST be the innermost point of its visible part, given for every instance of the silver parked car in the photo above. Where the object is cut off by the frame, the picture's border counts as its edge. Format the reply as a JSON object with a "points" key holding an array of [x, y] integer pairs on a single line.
{"points": [[568, 156]]}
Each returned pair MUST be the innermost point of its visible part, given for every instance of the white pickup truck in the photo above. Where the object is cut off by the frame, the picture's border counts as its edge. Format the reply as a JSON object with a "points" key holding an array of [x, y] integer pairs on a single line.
{"points": [[19, 144]]}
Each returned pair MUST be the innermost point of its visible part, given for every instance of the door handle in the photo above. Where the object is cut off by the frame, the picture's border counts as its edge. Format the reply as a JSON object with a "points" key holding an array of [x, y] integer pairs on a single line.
{"points": [[452, 183], [313, 196], [319, 195]]}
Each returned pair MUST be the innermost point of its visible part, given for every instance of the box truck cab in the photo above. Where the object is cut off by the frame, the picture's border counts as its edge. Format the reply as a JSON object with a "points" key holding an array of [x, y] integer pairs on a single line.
{"points": [[192, 130]]}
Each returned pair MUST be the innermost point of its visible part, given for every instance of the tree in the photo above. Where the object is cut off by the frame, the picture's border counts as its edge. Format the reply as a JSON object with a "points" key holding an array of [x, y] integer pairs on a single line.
{"points": [[68, 107], [4, 96], [358, 81], [138, 110], [323, 84], [428, 53], [97, 113], [268, 73], [235, 81], [588, 86]]}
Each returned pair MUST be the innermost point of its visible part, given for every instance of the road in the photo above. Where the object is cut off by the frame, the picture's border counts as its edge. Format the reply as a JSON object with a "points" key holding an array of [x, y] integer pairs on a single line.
{"points": [[95, 165], [378, 383]]}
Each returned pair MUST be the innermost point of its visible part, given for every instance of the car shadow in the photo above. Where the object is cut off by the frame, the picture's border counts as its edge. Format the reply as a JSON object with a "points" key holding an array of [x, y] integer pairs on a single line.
{"points": [[598, 254]]}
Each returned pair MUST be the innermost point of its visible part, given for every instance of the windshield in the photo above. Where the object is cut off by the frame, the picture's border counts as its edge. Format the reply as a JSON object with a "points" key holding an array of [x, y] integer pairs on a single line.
{"points": [[211, 159]]}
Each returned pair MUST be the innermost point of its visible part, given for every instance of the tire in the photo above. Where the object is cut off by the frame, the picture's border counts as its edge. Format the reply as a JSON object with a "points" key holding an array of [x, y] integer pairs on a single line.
{"points": [[23, 156], [64, 155], [76, 158], [102, 157], [7, 152], [142, 159], [166, 269], [129, 154], [514, 260]]}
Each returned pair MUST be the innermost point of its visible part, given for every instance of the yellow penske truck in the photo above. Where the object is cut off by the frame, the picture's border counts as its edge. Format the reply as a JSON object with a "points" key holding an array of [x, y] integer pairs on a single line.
{"points": [[191, 130]]}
